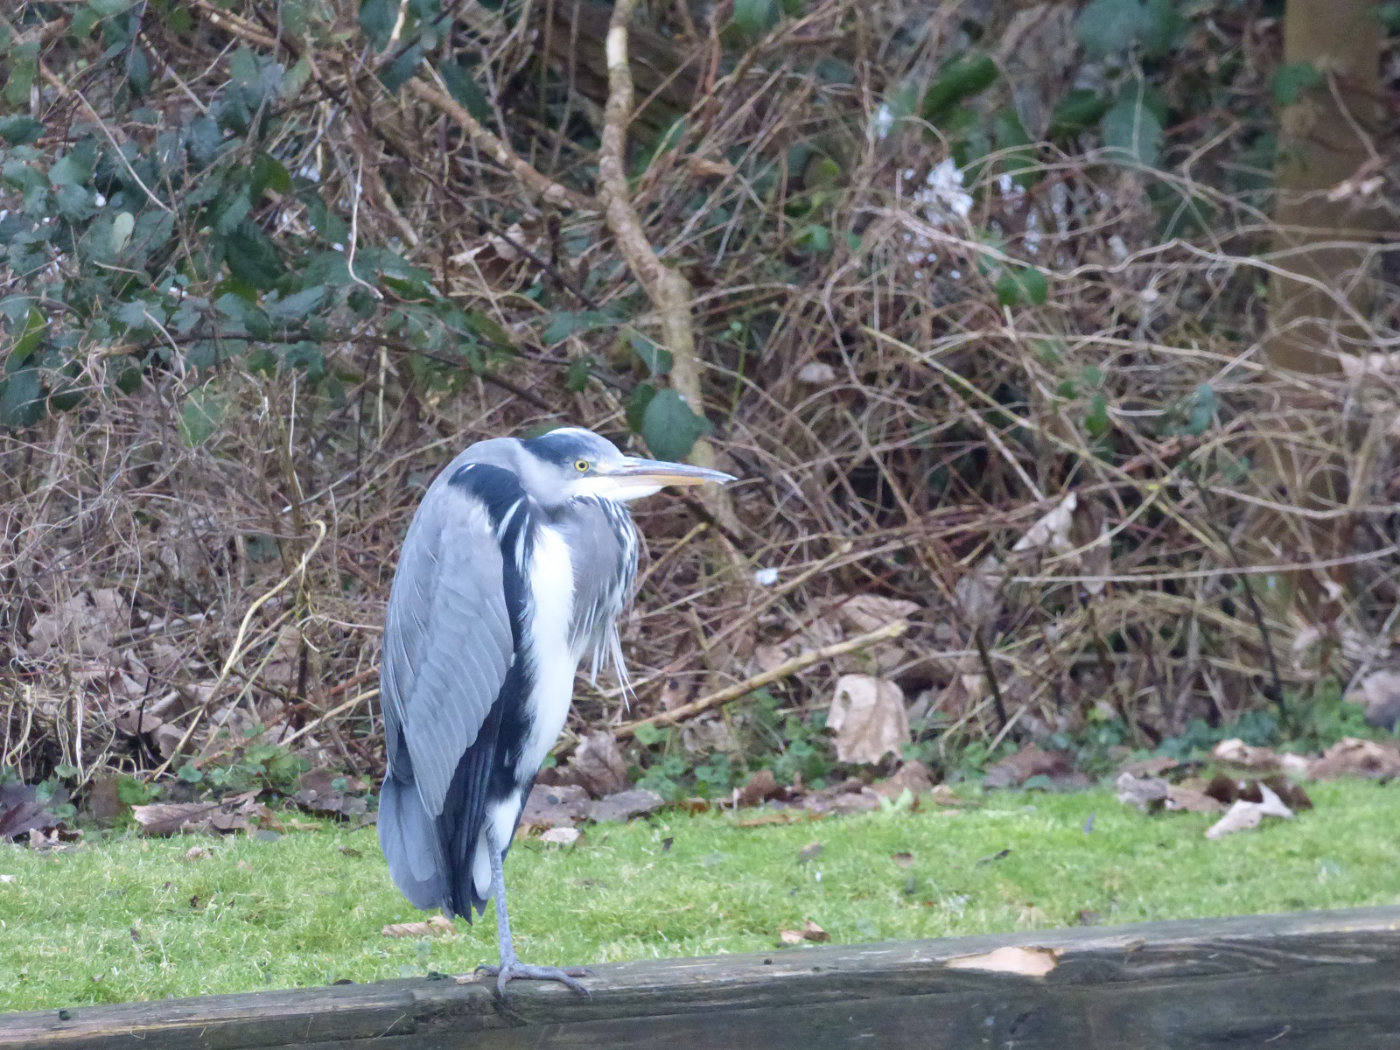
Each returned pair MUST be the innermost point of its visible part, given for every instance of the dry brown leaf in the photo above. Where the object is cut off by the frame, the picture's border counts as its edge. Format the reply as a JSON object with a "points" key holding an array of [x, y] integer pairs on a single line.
{"points": [[761, 787], [597, 764], [233, 813], [1051, 532], [810, 932], [870, 612], [868, 717], [1027, 962], [1237, 753], [978, 593], [437, 926], [83, 625], [1352, 757], [1189, 800], [196, 853], [912, 776], [904, 860], [1029, 762], [809, 852]]}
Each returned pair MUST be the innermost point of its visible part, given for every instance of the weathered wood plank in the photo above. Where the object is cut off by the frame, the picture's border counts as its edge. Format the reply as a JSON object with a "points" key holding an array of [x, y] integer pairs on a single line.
{"points": [[1313, 980]]}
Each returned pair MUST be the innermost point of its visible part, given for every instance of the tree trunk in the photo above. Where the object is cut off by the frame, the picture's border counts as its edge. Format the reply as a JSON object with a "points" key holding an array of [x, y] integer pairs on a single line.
{"points": [[1326, 217]]}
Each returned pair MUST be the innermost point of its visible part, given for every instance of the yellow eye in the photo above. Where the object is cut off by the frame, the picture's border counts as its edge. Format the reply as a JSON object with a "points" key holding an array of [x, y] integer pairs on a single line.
{"points": [[581, 465]]}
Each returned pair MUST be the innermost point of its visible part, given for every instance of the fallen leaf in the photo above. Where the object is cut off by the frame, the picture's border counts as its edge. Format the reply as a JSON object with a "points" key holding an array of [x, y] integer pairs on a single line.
{"points": [[761, 787], [902, 859], [1051, 531], [868, 717], [1027, 962], [912, 776], [809, 852], [597, 764], [810, 932], [562, 836], [870, 612], [764, 820], [196, 853], [327, 792], [83, 625], [978, 593], [816, 373], [1245, 815], [21, 811], [1352, 757], [233, 813], [1031, 761], [1237, 753], [434, 927], [623, 805], [1189, 800]]}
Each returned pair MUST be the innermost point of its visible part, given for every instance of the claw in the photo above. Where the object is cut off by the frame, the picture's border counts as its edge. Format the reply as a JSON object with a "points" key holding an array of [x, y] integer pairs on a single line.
{"points": [[514, 970]]}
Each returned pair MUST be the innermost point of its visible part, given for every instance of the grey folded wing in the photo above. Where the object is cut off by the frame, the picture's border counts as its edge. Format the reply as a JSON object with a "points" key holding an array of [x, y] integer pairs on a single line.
{"points": [[448, 647]]}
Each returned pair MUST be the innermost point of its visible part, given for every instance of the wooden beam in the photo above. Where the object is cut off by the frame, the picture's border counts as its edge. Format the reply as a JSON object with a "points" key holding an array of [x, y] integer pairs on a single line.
{"points": [[1304, 981]]}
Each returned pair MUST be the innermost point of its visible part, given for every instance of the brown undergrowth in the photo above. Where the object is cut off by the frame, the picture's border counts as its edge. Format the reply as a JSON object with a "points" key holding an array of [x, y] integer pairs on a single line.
{"points": [[1027, 413]]}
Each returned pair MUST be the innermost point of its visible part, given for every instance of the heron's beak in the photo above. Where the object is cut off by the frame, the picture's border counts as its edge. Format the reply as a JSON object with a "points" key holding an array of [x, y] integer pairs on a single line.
{"points": [[659, 472]]}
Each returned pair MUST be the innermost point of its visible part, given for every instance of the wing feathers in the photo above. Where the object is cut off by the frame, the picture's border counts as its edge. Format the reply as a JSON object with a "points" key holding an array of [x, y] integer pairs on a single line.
{"points": [[449, 645]]}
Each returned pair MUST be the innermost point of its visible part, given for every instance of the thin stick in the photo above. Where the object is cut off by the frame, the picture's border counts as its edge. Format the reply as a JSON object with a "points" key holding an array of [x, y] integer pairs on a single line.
{"points": [[748, 685]]}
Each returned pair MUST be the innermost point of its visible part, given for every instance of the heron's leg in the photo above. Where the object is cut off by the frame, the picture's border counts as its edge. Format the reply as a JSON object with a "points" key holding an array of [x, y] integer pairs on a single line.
{"points": [[511, 967]]}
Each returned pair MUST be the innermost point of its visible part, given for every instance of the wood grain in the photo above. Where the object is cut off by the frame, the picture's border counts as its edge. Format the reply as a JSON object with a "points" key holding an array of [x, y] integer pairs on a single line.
{"points": [[1311, 980]]}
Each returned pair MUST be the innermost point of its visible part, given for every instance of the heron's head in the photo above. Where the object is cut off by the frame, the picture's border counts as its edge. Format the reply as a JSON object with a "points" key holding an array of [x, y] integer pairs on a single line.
{"points": [[571, 462]]}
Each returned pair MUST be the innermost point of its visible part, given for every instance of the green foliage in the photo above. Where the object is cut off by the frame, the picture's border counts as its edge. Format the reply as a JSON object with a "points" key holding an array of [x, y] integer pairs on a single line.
{"points": [[1112, 27], [1133, 125], [1292, 80], [791, 747], [670, 426], [958, 80]]}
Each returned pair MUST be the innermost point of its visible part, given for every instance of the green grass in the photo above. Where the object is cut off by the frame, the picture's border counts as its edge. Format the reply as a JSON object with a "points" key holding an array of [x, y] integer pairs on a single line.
{"points": [[130, 918]]}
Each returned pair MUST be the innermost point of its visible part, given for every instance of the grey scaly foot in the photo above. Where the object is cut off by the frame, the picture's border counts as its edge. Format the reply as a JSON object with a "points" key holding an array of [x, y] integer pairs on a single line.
{"points": [[514, 969]]}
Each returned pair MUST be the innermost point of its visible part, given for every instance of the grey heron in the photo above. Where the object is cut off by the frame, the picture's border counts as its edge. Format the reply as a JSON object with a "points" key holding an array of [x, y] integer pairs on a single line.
{"points": [[517, 564]]}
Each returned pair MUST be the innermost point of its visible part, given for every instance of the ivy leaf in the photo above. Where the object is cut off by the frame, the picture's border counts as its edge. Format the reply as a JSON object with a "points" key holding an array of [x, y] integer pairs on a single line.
{"points": [[200, 416], [580, 370], [20, 130], [1292, 80], [670, 427], [1108, 27], [656, 358], [637, 403], [1203, 406], [1022, 286], [401, 70], [462, 86], [21, 398], [377, 20], [753, 18], [1133, 127], [1076, 113], [959, 79]]}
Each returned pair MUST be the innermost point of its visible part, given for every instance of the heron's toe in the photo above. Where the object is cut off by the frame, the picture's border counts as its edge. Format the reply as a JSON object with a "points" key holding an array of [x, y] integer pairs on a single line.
{"points": [[515, 970]]}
